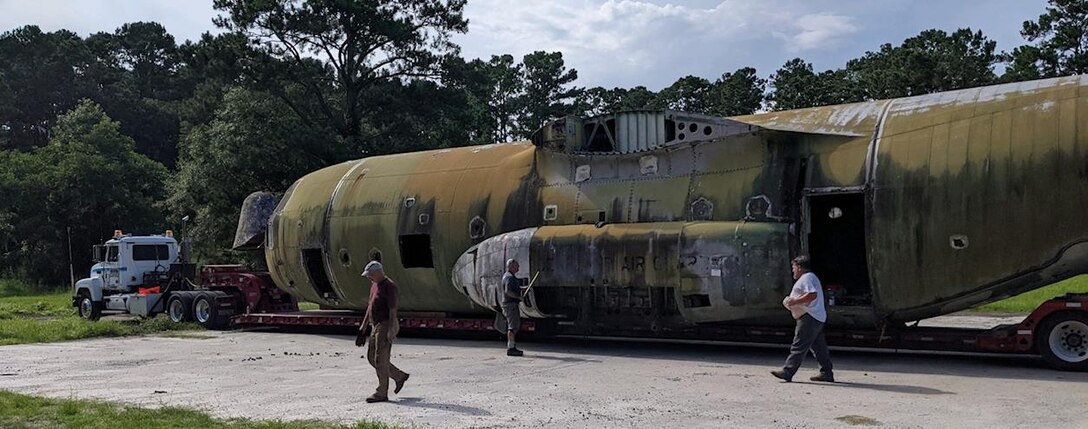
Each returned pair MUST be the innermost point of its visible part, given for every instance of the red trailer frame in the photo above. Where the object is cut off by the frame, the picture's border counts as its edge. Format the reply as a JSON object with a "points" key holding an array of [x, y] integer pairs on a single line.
{"points": [[252, 299]]}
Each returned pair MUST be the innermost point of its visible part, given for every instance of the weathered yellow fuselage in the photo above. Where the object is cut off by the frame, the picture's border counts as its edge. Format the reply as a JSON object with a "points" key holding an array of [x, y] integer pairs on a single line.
{"points": [[966, 197]]}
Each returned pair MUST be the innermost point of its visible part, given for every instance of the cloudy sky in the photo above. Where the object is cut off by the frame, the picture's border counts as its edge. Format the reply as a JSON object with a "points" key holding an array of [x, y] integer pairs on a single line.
{"points": [[625, 42]]}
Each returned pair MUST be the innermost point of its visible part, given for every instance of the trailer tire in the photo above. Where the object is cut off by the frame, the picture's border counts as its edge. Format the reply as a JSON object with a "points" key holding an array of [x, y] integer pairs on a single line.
{"points": [[180, 307], [1062, 340], [88, 309], [206, 311]]}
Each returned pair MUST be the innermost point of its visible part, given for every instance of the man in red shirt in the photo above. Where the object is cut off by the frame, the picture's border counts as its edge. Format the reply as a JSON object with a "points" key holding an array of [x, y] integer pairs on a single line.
{"points": [[381, 314]]}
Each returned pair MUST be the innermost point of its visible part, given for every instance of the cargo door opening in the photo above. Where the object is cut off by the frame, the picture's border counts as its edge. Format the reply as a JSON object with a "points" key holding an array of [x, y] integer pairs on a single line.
{"points": [[836, 244], [314, 262]]}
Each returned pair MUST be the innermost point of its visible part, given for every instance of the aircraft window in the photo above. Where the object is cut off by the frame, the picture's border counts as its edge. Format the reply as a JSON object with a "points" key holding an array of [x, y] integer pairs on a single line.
{"points": [[345, 258], [111, 253], [476, 227], [415, 251], [551, 212], [702, 209]]}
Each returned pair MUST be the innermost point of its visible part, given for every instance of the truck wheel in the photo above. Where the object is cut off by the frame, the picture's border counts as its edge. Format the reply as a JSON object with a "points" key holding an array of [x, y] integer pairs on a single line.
{"points": [[206, 311], [1062, 340], [88, 309], [180, 308]]}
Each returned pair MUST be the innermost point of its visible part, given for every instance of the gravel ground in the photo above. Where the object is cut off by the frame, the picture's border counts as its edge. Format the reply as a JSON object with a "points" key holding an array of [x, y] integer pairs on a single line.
{"points": [[562, 383]]}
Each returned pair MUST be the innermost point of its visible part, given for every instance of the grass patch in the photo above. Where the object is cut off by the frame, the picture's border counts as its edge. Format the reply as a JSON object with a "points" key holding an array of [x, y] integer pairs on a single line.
{"points": [[21, 411], [50, 318], [11, 287], [1027, 302]]}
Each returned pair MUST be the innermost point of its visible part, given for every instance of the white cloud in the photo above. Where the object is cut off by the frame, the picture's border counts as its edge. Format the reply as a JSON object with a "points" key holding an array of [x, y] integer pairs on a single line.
{"points": [[183, 19], [629, 42], [818, 31]]}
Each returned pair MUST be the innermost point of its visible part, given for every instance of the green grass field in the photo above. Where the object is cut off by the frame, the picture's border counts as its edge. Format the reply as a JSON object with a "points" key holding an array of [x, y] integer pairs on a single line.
{"points": [[27, 412], [51, 317], [1026, 302]]}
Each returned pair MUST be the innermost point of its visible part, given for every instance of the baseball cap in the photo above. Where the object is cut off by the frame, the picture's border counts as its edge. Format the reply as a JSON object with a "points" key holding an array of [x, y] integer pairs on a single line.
{"points": [[371, 267]]}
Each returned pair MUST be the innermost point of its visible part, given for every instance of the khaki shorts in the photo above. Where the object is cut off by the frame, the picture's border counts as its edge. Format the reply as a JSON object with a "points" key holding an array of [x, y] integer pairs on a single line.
{"points": [[512, 312]]}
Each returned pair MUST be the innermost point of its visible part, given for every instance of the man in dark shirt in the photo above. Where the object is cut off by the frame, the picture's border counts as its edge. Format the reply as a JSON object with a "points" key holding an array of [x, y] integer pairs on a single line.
{"points": [[511, 306], [381, 314]]}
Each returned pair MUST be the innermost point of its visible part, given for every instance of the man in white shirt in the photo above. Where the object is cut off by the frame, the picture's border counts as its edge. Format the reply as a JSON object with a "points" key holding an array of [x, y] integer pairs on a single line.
{"points": [[806, 303]]}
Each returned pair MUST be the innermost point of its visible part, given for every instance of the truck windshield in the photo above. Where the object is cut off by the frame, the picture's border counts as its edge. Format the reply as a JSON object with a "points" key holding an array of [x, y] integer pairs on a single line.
{"points": [[111, 253], [150, 252]]}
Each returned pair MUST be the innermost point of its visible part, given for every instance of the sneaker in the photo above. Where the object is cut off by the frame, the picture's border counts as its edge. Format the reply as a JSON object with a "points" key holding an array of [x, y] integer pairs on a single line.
{"points": [[400, 383], [375, 398], [780, 374], [823, 377], [513, 351]]}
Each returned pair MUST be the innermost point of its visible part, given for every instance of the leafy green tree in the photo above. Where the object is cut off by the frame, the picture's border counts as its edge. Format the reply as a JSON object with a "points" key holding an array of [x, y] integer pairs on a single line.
{"points": [[737, 93], [932, 61], [254, 143], [336, 51], [796, 86], [547, 93], [1059, 46], [688, 94], [140, 75], [89, 178], [505, 87], [211, 68], [599, 100], [40, 78], [638, 98]]}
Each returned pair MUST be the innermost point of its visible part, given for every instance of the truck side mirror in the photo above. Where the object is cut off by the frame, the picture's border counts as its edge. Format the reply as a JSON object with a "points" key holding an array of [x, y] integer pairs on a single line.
{"points": [[99, 253]]}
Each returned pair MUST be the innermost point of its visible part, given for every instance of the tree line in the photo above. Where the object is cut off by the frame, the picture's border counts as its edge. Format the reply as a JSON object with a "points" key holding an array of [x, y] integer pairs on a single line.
{"points": [[131, 130]]}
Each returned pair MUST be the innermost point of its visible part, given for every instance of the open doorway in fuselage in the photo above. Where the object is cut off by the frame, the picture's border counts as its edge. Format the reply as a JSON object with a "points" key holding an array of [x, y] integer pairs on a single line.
{"points": [[836, 243]]}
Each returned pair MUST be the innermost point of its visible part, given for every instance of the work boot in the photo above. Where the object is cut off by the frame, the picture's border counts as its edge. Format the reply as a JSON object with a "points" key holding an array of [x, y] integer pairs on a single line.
{"points": [[375, 398], [513, 351], [823, 377], [780, 374], [400, 383]]}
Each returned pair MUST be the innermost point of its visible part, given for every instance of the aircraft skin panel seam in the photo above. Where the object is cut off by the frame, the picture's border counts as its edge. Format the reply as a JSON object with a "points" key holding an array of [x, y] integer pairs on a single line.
{"points": [[652, 179], [874, 144]]}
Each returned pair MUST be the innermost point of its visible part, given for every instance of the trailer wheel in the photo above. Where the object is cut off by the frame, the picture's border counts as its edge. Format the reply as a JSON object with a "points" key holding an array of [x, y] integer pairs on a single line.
{"points": [[88, 309], [180, 308], [1062, 340], [206, 311]]}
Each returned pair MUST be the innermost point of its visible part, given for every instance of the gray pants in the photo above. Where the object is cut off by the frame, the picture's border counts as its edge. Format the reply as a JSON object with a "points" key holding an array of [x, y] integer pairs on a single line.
{"points": [[809, 335]]}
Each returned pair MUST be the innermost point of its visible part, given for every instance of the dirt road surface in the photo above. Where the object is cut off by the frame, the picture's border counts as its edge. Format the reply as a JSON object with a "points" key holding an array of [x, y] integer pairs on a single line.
{"points": [[583, 383]]}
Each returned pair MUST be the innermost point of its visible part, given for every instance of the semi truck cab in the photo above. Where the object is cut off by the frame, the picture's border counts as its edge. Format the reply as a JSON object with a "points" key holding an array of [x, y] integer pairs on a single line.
{"points": [[124, 265]]}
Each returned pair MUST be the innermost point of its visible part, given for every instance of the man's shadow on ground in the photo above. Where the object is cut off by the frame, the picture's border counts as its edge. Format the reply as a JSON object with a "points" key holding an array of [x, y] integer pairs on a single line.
{"points": [[420, 403], [895, 388]]}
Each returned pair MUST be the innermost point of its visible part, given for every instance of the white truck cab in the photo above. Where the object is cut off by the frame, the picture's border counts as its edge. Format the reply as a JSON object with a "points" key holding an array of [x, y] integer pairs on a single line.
{"points": [[123, 265]]}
